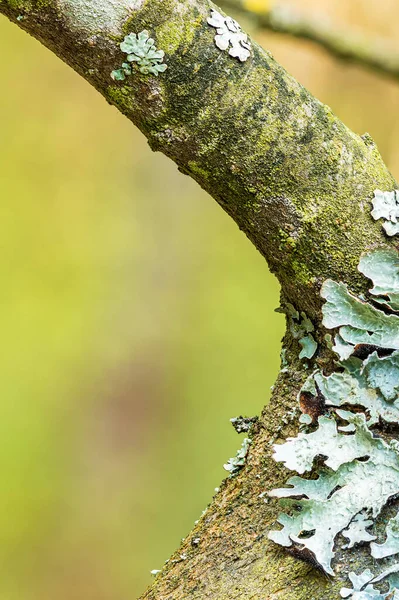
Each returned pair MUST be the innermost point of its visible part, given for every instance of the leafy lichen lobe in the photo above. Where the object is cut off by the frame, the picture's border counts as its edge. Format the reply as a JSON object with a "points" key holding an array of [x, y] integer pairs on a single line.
{"points": [[357, 470]]}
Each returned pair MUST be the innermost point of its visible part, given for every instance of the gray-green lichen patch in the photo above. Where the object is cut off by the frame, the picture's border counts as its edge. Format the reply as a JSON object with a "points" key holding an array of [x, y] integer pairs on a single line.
{"points": [[342, 348], [372, 384], [382, 267], [235, 464], [362, 588], [94, 16], [386, 207], [391, 544], [363, 585], [359, 322], [301, 328], [357, 531], [309, 346], [354, 471], [350, 486], [140, 49], [305, 419]]}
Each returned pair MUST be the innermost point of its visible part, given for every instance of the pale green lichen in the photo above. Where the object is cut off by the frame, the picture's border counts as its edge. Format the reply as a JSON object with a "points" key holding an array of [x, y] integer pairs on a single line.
{"points": [[359, 321], [372, 384], [235, 464], [305, 419], [301, 328], [391, 544], [382, 267], [363, 585], [357, 531], [140, 49], [357, 471], [386, 206], [362, 588], [309, 346], [349, 487], [342, 348]]}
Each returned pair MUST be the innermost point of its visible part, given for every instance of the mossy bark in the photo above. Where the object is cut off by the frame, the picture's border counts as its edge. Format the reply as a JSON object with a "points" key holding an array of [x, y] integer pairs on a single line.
{"points": [[294, 179]]}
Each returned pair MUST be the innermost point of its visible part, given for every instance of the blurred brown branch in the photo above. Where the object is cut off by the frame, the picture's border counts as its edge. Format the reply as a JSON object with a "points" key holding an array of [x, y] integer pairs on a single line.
{"points": [[376, 54]]}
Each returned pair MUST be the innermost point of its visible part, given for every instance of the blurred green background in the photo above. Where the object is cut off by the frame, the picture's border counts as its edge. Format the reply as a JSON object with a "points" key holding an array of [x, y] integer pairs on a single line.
{"points": [[135, 320]]}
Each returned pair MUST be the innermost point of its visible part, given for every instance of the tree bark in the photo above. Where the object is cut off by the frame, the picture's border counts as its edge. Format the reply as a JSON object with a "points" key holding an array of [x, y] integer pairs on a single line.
{"points": [[294, 178]]}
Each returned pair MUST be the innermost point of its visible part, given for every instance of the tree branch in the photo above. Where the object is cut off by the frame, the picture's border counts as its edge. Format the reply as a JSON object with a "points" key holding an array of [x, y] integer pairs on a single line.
{"points": [[353, 46], [295, 180]]}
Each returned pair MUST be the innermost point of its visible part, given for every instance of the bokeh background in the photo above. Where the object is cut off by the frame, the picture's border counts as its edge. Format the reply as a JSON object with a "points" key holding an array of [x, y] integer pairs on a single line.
{"points": [[135, 319]]}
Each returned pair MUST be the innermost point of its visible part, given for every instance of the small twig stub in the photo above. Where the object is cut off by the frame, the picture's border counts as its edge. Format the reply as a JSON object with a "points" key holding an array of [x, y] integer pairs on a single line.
{"points": [[230, 36]]}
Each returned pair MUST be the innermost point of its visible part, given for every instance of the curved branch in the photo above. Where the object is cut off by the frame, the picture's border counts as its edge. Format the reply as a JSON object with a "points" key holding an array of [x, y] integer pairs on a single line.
{"points": [[276, 160], [353, 46], [294, 179]]}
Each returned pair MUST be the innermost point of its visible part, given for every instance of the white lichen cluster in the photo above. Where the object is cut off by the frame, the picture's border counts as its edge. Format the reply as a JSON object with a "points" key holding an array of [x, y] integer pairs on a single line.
{"points": [[386, 206], [140, 49], [229, 36], [357, 470]]}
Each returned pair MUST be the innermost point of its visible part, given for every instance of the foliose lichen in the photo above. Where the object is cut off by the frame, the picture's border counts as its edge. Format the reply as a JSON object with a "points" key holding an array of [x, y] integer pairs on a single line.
{"points": [[386, 206], [235, 464], [140, 49], [230, 36], [301, 328], [357, 531], [363, 588], [354, 465]]}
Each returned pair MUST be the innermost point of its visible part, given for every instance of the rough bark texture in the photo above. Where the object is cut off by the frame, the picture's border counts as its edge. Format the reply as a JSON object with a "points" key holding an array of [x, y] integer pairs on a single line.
{"points": [[295, 180]]}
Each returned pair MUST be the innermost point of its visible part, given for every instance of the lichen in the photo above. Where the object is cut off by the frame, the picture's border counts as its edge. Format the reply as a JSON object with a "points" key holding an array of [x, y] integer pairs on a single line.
{"points": [[386, 207], [357, 531], [230, 37], [372, 384], [301, 328], [309, 346], [362, 588], [350, 485], [382, 268], [140, 49], [363, 585], [235, 464], [359, 322], [357, 471], [391, 544]]}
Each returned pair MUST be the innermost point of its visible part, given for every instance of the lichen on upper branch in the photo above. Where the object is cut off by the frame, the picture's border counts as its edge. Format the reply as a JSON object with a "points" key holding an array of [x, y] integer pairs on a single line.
{"points": [[140, 50]]}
